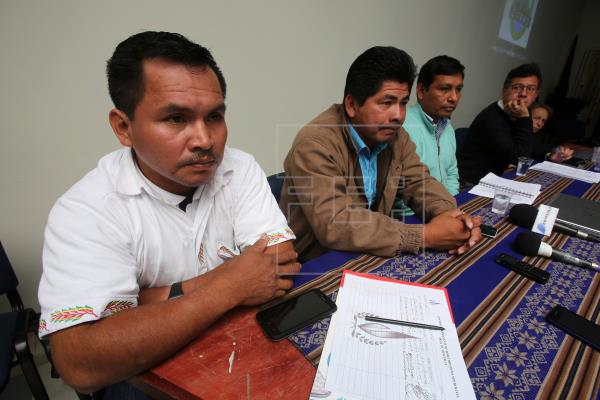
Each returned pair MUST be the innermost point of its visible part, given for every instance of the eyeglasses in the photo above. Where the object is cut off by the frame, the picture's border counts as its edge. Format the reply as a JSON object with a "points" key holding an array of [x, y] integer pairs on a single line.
{"points": [[517, 87]]}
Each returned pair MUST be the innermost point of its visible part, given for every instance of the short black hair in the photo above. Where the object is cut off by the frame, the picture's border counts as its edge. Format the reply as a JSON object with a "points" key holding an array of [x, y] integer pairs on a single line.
{"points": [[523, 71], [440, 65], [124, 69], [373, 67]]}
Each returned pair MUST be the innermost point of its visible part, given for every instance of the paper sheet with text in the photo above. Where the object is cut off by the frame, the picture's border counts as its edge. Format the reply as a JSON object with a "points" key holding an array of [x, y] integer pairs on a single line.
{"points": [[567, 171], [374, 360]]}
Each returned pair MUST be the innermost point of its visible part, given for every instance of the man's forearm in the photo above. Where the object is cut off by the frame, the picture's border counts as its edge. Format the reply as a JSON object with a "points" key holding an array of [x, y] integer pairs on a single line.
{"points": [[92, 355], [522, 138], [157, 294], [370, 232], [95, 354]]}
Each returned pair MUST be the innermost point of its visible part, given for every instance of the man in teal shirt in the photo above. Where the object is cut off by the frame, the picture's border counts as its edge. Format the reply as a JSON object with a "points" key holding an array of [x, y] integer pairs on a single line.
{"points": [[439, 87]]}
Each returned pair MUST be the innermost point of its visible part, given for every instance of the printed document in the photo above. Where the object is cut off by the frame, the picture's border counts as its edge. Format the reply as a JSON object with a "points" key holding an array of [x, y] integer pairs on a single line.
{"points": [[375, 360], [567, 171]]}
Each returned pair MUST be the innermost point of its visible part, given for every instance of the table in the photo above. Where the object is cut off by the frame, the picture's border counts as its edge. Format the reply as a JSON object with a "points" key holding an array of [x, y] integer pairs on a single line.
{"points": [[232, 360], [509, 349]]}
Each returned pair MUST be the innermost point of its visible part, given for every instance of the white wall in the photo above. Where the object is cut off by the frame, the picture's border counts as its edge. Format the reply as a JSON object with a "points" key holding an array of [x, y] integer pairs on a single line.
{"points": [[284, 60]]}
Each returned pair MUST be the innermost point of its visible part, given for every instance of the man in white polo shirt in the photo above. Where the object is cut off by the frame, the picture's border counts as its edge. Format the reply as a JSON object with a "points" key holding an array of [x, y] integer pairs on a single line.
{"points": [[165, 235]]}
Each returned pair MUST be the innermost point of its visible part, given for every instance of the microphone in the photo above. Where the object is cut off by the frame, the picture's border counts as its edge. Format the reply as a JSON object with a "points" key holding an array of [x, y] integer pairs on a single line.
{"points": [[530, 244], [524, 215]]}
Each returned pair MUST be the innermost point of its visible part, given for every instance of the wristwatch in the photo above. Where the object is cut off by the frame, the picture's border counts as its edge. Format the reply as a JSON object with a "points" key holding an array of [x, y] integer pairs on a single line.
{"points": [[176, 290]]}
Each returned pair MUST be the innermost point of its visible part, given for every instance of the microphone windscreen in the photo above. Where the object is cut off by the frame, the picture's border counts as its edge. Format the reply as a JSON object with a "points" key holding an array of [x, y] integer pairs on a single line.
{"points": [[523, 215], [528, 243]]}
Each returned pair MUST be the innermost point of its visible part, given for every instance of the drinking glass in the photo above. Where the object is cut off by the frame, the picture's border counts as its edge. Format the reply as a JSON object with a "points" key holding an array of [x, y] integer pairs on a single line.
{"points": [[500, 203], [523, 165]]}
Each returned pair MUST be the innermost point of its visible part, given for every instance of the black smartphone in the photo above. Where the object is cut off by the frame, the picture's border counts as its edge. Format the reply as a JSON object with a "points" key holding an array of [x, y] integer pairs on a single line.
{"points": [[488, 230], [575, 325], [284, 318], [521, 267]]}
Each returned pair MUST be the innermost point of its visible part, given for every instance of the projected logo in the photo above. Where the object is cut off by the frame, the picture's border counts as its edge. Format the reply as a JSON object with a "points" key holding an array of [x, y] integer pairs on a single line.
{"points": [[520, 17], [517, 21]]}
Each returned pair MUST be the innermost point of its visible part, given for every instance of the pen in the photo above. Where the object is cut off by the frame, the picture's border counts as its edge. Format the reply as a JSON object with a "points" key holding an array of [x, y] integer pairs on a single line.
{"points": [[395, 321]]}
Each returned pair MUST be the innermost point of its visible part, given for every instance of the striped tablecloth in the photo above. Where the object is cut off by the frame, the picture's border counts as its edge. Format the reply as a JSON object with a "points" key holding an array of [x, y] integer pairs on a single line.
{"points": [[509, 349]]}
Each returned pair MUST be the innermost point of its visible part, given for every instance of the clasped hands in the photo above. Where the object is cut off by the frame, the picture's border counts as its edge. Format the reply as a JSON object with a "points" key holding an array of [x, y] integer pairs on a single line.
{"points": [[452, 230]]}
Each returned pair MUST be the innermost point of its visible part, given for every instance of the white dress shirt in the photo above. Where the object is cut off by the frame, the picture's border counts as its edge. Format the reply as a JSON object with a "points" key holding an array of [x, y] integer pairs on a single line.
{"points": [[115, 232]]}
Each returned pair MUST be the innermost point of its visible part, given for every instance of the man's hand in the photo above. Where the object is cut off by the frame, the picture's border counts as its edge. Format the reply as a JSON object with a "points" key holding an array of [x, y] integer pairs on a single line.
{"points": [[283, 255], [561, 153], [516, 108], [452, 230], [473, 224], [257, 277]]}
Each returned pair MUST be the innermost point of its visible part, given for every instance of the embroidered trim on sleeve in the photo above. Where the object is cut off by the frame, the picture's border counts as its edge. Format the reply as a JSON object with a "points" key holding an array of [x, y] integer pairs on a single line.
{"points": [[280, 236], [115, 306], [42, 326], [72, 314]]}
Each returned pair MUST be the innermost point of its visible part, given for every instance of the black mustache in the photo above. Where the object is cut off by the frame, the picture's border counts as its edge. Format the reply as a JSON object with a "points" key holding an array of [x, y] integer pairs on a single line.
{"points": [[201, 155], [387, 126]]}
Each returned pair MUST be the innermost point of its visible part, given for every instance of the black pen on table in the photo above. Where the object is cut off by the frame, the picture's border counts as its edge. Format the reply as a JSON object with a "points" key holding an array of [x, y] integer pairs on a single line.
{"points": [[406, 323]]}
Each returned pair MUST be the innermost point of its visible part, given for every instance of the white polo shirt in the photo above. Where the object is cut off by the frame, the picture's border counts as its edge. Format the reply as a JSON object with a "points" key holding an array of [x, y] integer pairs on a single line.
{"points": [[114, 233]]}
